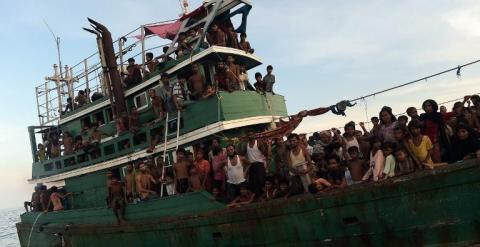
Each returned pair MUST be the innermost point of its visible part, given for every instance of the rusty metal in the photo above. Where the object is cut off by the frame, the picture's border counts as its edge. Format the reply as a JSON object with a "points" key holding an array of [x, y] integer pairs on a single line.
{"points": [[111, 67]]}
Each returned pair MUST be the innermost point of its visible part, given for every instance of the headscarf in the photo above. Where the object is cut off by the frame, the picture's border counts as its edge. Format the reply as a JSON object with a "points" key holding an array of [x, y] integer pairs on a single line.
{"points": [[434, 116]]}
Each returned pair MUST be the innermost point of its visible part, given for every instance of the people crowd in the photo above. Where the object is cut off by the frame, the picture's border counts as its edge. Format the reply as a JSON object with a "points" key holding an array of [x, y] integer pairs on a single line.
{"points": [[258, 170]]}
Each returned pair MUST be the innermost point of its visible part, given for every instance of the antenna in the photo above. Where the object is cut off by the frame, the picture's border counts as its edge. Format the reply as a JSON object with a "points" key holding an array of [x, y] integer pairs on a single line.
{"points": [[184, 6], [57, 44]]}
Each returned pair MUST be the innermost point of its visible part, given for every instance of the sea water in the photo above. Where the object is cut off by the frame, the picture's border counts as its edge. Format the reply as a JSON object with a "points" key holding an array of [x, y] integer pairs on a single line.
{"points": [[8, 232]]}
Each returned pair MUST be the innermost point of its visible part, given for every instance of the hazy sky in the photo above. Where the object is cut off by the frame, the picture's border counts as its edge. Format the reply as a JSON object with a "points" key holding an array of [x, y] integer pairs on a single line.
{"points": [[322, 52]]}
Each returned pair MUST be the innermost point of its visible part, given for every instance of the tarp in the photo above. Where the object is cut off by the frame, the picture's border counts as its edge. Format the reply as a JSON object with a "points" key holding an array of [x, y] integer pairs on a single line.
{"points": [[165, 31]]}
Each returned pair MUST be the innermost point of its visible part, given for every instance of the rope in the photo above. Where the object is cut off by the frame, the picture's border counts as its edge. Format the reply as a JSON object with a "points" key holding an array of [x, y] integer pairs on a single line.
{"points": [[33, 226], [403, 113], [164, 152], [415, 81]]}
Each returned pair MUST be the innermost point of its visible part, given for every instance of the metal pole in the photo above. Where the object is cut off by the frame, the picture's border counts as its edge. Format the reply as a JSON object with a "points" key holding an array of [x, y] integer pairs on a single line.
{"points": [[178, 129], [72, 95], [38, 107], [164, 152], [47, 103], [58, 85], [120, 52], [143, 46], [85, 65]]}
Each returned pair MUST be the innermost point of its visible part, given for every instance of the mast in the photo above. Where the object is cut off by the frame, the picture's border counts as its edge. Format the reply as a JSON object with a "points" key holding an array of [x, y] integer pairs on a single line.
{"points": [[114, 83]]}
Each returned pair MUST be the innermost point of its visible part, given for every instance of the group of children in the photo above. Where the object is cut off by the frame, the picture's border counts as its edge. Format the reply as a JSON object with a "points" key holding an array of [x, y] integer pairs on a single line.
{"points": [[397, 146]]}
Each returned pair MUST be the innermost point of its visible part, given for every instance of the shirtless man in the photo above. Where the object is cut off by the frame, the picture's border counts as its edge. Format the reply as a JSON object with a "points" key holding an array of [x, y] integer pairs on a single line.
{"points": [[94, 140], [133, 74], [67, 143], [117, 199], [196, 83], [232, 66], [34, 203], [232, 38], [56, 199], [151, 63], [157, 104], [216, 36], [130, 186], [181, 171], [144, 183]]}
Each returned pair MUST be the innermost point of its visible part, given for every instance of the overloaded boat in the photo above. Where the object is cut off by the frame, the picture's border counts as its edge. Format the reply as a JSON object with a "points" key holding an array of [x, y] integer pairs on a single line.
{"points": [[429, 208]]}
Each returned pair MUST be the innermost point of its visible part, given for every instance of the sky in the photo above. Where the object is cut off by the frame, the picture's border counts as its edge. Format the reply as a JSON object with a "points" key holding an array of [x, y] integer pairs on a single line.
{"points": [[322, 52]]}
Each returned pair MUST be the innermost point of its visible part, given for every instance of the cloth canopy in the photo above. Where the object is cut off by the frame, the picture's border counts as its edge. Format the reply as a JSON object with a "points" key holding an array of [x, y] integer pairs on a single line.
{"points": [[164, 31]]}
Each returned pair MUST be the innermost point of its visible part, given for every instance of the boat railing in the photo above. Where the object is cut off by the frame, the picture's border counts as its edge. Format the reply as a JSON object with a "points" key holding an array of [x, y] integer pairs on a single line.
{"points": [[87, 76], [61, 90]]}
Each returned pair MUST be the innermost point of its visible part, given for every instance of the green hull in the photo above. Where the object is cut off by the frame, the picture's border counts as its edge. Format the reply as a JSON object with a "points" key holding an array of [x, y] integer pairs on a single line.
{"points": [[430, 208]]}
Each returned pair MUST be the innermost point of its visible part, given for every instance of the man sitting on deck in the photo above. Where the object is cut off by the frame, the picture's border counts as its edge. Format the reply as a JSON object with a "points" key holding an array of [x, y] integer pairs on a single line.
{"points": [[151, 63], [134, 74], [225, 79], [216, 36]]}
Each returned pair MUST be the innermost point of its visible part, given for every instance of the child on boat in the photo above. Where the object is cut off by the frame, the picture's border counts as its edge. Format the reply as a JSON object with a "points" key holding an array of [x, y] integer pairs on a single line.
{"points": [[355, 164], [404, 162], [246, 197], [377, 161], [388, 151], [420, 145]]}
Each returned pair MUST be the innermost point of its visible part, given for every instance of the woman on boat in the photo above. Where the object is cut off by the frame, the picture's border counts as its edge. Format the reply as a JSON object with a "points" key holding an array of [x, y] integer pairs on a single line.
{"points": [[387, 124], [433, 126], [465, 145]]}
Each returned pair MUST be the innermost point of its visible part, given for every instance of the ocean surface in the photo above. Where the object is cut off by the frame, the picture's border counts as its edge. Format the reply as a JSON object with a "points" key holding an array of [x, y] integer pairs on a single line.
{"points": [[8, 232]]}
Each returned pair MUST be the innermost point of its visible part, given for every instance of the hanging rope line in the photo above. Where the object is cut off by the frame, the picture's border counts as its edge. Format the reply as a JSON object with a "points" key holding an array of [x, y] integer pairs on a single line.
{"points": [[457, 69], [398, 114]]}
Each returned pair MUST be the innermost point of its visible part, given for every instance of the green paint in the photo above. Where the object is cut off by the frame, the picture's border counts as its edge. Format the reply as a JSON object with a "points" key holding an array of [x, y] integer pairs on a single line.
{"points": [[428, 208], [233, 106]]}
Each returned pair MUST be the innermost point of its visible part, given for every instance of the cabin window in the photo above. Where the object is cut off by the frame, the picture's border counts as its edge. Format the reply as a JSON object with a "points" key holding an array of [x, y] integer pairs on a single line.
{"points": [[86, 122], [139, 138], [110, 149], [69, 161], [48, 167], [58, 165], [140, 101], [99, 118], [109, 114]]}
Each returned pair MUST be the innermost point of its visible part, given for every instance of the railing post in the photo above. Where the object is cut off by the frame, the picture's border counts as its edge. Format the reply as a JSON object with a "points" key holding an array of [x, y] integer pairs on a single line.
{"points": [[120, 54], [47, 102], [142, 30], [58, 86], [38, 107], [85, 69]]}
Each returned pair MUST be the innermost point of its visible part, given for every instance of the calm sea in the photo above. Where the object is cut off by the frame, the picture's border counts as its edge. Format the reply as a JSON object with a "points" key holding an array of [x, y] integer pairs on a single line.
{"points": [[8, 232]]}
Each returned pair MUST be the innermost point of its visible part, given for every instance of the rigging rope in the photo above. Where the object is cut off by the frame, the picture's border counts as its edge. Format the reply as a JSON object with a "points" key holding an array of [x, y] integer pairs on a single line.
{"points": [[457, 69]]}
